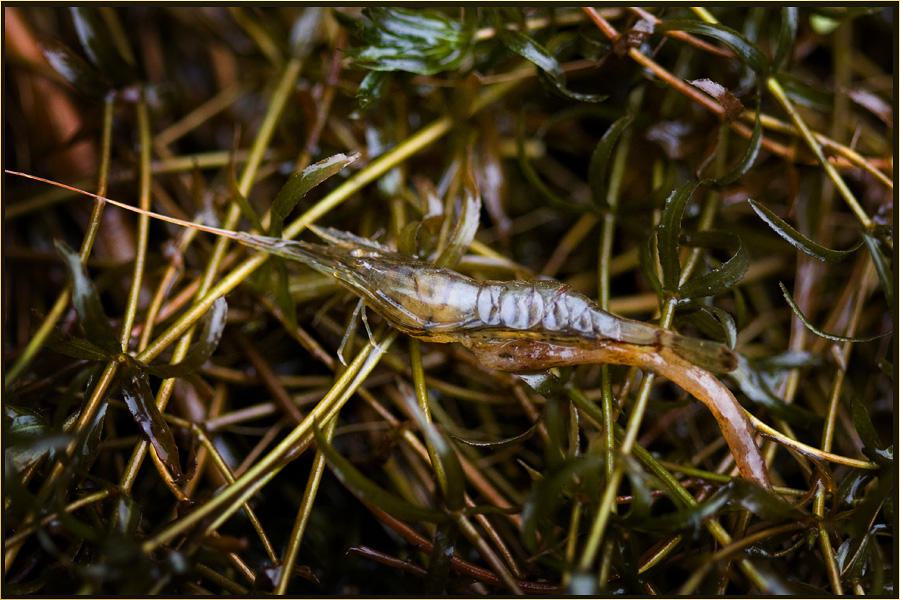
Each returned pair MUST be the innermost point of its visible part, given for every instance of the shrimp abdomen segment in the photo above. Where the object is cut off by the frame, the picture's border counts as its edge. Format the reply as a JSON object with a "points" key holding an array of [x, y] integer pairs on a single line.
{"points": [[555, 308]]}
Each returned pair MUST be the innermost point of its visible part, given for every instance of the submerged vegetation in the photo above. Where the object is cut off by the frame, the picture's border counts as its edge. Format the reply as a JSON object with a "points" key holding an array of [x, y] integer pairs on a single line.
{"points": [[186, 415]]}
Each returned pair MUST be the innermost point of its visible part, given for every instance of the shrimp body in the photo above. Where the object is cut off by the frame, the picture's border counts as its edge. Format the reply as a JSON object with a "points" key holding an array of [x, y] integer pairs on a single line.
{"points": [[523, 326], [516, 326], [440, 305]]}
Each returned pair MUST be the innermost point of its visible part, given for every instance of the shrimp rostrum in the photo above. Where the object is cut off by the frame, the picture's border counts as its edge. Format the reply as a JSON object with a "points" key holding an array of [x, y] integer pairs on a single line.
{"points": [[524, 326]]}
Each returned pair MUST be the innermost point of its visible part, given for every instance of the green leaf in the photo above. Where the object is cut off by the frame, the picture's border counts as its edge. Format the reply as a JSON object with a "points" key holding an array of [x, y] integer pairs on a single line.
{"points": [[125, 516], [140, 402], [667, 234], [373, 88], [746, 50], [548, 67], [98, 44], [804, 93], [600, 159], [62, 342], [819, 332], [234, 193], [712, 320], [87, 302], [446, 454], [754, 386], [207, 342], [466, 224], [722, 277], [872, 444], [300, 184], [74, 69], [442, 553], [648, 267], [555, 419], [530, 174], [539, 510], [504, 443], [797, 239], [882, 267], [737, 493], [89, 449], [545, 383], [27, 438], [750, 154], [790, 17], [370, 492], [423, 41]]}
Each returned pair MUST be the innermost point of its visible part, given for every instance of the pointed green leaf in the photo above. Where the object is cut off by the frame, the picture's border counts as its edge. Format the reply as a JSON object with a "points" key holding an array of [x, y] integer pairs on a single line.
{"points": [[94, 35], [300, 184], [600, 159], [499, 444], [74, 69], [442, 553], [545, 383], [648, 267], [872, 444], [234, 193], [667, 234], [466, 224], [140, 401], [722, 277], [804, 93], [446, 454], [754, 386], [125, 516], [797, 239], [746, 50], [283, 297], [539, 510], [62, 342], [530, 174], [548, 67], [423, 41], [207, 342], [373, 88], [27, 438], [750, 154], [787, 33], [89, 449], [368, 491], [87, 302], [736, 493], [882, 267], [819, 332]]}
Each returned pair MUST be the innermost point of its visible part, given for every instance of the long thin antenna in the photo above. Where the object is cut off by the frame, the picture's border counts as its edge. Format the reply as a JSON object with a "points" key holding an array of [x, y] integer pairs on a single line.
{"points": [[215, 230]]}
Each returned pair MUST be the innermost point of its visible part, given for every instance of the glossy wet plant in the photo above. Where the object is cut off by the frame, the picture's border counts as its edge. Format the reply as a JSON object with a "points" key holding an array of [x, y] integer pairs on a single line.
{"points": [[686, 168]]}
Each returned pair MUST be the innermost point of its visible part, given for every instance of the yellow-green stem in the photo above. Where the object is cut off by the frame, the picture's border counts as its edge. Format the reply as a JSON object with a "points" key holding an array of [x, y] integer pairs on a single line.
{"points": [[309, 497], [140, 256], [87, 243]]}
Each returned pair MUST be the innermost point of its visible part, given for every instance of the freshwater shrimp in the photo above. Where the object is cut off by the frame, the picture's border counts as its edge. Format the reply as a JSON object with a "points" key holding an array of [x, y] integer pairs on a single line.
{"points": [[516, 326]]}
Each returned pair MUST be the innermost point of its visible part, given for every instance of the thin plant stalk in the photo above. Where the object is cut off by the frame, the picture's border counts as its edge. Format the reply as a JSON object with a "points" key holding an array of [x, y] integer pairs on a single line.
{"points": [[309, 496], [62, 302]]}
